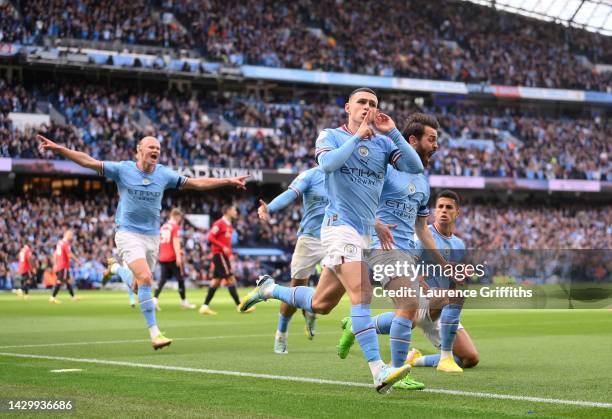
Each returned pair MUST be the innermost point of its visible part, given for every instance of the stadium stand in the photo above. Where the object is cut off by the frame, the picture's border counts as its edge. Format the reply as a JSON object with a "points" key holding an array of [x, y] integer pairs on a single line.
{"points": [[235, 127], [104, 122], [35, 219], [573, 226], [417, 40]]}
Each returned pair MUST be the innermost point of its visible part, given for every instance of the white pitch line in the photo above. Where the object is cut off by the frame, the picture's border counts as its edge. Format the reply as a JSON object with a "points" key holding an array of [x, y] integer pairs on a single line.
{"points": [[67, 370], [307, 380], [115, 342], [45, 345]]}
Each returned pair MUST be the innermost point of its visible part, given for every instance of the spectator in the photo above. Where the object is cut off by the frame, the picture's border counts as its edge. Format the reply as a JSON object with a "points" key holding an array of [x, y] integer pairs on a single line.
{"points": [[105, 123], [42, 219], [442, 41]]}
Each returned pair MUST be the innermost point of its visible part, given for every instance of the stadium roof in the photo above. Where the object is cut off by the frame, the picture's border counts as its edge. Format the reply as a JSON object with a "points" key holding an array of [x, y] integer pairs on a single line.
{"points": [[592, 15]]}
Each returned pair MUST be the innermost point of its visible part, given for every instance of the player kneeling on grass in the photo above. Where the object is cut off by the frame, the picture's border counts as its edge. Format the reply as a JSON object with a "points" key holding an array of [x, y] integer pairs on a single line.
{"points": [[439, 319], [462, 352], [141, 187], [456, 347]]}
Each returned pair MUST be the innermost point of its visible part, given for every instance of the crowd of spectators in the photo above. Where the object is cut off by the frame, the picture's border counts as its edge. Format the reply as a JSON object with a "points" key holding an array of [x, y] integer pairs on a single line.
{"points": [[106, 123], [128, 22], [11, 27], [459, 41], [441, 42], [532, 226], [41, 221], [561, 148]]}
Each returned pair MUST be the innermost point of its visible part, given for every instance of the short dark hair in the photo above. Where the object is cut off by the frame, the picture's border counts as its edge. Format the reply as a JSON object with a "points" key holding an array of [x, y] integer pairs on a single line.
{"points": [[416, 125], [447, 193], [362, 89], [225, 208]]}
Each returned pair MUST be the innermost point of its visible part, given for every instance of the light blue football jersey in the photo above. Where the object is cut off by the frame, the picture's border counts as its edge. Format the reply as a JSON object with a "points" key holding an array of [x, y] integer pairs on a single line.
{"points": [[404, 197], [310, 185], [140, 194], [452, 249], [354, 189]]}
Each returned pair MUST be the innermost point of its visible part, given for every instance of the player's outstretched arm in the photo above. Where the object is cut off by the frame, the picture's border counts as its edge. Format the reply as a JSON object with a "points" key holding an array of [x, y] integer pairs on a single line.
{"points": [[207, 183], [282, 200], [409, 160], [78, 157], [334, 159]]}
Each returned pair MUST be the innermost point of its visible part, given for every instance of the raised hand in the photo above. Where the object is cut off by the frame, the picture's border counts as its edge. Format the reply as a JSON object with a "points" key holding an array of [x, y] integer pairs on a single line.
{"points": [[383, 123], [383, 231], [262, 211], [47, 145], [239, 181], [365, 132]]}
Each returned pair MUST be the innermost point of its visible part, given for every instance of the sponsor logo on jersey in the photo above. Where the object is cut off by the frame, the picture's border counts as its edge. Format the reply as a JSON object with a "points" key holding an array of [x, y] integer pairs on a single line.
{"points": [[367, 173]]}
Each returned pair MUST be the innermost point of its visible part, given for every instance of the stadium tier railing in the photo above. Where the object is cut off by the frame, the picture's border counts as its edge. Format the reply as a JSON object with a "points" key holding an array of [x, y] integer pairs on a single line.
{"points": [[284, 176], [194, 67]]}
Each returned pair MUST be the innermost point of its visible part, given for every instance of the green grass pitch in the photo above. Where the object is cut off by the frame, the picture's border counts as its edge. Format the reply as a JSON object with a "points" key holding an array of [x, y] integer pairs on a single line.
{"points": [[545, 354]]}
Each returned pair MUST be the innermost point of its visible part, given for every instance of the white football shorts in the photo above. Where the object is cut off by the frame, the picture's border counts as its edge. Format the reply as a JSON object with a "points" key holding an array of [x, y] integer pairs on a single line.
{"points": [[342, 244], [134, 246], [307, 253]]}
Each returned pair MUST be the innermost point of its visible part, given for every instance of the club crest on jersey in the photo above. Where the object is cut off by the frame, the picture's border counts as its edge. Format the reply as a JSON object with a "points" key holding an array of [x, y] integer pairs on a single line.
{"points": [[351, 249], [146, 181], [447, 251], [411, 188], [363, 151]]}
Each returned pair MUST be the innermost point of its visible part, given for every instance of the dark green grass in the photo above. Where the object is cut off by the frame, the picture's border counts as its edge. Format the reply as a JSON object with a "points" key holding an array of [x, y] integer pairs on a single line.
{"points": [[560, 354]]}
